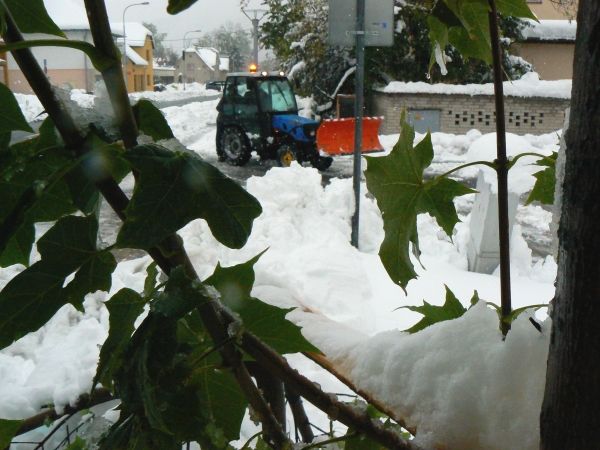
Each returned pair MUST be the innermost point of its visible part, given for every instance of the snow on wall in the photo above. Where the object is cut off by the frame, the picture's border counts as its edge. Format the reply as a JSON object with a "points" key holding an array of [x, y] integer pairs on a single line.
{"points": [[550, 30], [529, 85]]}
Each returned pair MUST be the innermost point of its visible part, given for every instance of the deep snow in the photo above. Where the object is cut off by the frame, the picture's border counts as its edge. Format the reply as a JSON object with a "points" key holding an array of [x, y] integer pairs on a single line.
{"points": [[447, 380]]}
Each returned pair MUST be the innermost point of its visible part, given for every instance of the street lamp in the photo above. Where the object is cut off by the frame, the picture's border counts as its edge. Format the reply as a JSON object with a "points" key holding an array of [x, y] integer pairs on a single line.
{"points": [[125, 38], [183, 54], [255, 16]]}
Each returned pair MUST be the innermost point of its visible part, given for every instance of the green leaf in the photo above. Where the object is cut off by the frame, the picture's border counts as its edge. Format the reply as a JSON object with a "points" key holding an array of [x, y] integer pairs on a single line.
{"points": [[101, 161], [151, 121], [176, 187], [31, 17], [397, 183], [515, 8], [543, 190], [11, 117], [70, 243], [31, 298], [360, 442], [28, 301], [265, 321], [124, 308], [95, 274], [515, 312], [150, 282], [8, 430], [222, 398], [176, 6], [451, 309], [18, 248]]}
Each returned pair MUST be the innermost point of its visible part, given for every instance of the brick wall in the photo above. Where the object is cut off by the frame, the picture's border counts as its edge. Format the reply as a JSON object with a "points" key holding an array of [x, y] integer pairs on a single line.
{"points": [[461, 113]]}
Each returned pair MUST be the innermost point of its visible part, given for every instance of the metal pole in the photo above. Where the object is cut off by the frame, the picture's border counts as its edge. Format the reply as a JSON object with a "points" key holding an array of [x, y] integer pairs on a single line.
{"points": [[125, 41], [255, 33], [358, 113], [183, 54], [255, 19]]}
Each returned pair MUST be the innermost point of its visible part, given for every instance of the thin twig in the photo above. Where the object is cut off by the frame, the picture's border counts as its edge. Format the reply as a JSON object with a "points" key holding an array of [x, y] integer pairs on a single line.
{"points": [[501, 169], [300, 418], [326, 364]]}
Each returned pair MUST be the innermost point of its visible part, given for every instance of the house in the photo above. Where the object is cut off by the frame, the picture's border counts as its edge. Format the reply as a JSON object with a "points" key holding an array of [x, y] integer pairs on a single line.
{"points": [[3, 67], [202, 64], [64, 67], [72, 69], [140, 54], [549, 45]]}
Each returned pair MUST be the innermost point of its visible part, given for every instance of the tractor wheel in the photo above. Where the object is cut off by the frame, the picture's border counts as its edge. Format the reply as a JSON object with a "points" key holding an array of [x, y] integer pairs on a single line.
{"points": [[235, 147], [286, 154]]}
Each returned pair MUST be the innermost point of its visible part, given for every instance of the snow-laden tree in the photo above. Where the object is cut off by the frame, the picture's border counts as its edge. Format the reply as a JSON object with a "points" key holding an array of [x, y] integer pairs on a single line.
{"points": [[232, 41], [296, 30]]}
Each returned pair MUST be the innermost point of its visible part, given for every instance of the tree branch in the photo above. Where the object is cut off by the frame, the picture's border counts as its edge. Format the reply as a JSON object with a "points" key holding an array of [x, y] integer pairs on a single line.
{"points": [[212, 312], [300, 418]]}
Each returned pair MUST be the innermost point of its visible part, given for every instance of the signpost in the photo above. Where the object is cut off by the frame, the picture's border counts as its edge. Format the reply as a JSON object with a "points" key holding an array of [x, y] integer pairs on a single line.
{"points": [[364, 23]]}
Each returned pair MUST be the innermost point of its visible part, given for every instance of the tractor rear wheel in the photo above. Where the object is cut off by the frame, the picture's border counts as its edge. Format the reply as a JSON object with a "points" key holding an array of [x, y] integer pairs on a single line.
{"points": [[286, 154], [235, 146]]}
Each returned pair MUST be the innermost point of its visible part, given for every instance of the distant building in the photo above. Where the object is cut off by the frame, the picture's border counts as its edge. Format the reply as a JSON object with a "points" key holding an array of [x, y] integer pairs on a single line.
{"points": [[3, 67], [202, 64], [549, 45], [140, 55], [72, 69]]}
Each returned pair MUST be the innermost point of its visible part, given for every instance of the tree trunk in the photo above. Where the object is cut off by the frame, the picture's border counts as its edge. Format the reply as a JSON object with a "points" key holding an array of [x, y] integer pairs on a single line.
{"points": [[570, 418]]}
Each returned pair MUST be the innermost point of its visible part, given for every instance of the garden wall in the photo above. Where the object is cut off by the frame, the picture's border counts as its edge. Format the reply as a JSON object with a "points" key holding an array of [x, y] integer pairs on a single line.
{"points": [[457, 110]]}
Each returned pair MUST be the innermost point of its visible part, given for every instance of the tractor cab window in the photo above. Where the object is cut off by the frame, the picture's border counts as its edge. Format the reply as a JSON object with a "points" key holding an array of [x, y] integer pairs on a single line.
{"points": [[276, 95]]}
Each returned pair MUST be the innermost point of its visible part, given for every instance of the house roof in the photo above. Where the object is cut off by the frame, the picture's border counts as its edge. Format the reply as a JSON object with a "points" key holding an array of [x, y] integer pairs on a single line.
{"points": [[134, 57], [135, 31], [208, 55], [550, 30], [67, 14]]}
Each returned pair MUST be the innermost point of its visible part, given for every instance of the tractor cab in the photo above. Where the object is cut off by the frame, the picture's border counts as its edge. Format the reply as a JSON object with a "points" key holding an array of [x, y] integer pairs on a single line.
{"points": [[258, 112]]}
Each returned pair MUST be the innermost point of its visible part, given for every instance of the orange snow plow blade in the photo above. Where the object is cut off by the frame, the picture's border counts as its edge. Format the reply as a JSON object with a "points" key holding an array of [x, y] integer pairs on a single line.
{"points": [[336, 136]]}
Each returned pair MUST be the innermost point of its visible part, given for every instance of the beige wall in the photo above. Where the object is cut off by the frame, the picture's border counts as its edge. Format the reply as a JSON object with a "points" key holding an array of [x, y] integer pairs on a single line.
{"points": [[3, 69], [63, 78], [548, 10], [551, 60], [141, 78], [461, 113]]}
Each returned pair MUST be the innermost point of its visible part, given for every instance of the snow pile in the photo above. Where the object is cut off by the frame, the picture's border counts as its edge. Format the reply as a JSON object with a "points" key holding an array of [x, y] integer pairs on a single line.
{"points": [[30, 106], [550, 30], [520, 176], [457, 382], [175, 91], [529, 85]]}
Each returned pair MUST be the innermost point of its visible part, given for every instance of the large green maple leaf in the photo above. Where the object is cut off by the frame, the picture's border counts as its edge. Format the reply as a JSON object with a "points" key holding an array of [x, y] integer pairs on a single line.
{"points": [[397, 183]]}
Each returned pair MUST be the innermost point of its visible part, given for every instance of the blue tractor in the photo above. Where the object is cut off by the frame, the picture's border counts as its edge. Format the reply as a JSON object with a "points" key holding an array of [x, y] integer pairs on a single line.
{"points": [[258, 112]]}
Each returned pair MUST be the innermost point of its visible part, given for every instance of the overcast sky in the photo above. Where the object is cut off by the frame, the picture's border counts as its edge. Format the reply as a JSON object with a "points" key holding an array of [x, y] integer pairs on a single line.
{"points": [[205, 15]]}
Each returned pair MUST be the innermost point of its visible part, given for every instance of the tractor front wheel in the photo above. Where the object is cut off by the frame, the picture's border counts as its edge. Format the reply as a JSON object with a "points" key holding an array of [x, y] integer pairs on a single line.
{"points": [[235, 146], [286, 154]]}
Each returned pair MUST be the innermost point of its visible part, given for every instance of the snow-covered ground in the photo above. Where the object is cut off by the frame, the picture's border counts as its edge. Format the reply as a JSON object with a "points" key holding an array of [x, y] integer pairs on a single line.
{"points": [[457, 382]]}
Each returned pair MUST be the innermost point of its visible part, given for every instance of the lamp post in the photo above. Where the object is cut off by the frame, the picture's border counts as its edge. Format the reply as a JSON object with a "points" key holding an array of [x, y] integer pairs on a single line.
{"points": [[255, 16], [125, 38], [183, 54]]}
